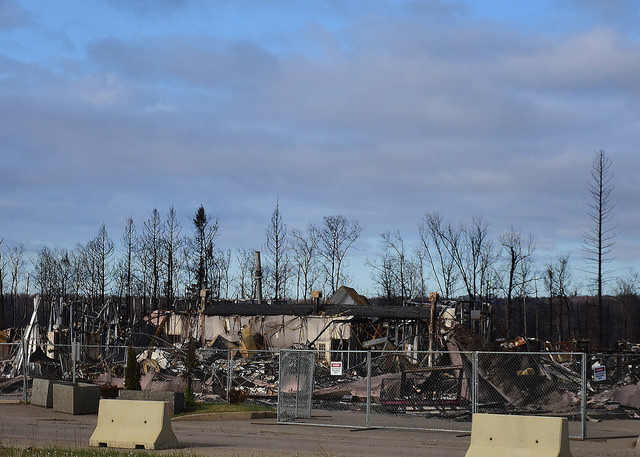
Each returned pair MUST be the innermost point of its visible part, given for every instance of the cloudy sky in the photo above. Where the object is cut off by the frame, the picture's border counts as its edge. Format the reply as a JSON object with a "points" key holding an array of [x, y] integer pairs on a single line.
{"points": [[380, 111]]}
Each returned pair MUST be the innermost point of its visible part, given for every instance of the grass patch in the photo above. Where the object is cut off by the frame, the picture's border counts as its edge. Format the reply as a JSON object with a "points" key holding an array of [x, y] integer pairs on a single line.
{"points": [[200, 408], [57, 452]]}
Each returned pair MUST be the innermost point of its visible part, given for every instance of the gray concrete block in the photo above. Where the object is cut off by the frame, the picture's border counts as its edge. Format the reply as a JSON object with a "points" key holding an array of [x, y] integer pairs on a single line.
{"points": [[42, 392], [175, 399], [78, 398]]}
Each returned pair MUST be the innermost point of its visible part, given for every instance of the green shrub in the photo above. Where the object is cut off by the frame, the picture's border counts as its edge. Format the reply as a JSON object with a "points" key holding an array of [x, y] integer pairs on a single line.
{"points": [[132, 372]]}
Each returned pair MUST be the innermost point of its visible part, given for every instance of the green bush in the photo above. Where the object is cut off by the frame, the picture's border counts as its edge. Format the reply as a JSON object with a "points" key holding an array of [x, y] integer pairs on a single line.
{"points": [[132, 372]]}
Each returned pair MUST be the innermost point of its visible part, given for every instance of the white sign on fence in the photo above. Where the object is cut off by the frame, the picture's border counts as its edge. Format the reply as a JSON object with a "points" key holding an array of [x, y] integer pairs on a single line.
{"points": [[336, 368], [599, 373]]}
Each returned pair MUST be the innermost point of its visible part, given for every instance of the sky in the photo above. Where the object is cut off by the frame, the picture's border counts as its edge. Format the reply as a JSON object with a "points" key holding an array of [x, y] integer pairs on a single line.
{"points": [[380, 111]]}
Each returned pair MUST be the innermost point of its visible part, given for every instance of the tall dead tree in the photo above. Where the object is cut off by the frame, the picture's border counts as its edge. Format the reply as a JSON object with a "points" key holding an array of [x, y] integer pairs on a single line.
{"points": [[152, 245], [3, 274], [516, 250], [99, 252], [244, 285], [432, 237], [16, 270], [129, 242], [276, 244], [394, 244], [336, 237], [600, 238], [627, 289], [172, 244], [396, 272], [305, 252], [557, 280]]}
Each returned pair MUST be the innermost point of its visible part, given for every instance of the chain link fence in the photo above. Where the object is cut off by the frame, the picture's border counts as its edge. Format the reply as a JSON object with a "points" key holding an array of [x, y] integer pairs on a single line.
{"points": [[217, 375], [442, 390], [368, 389]]}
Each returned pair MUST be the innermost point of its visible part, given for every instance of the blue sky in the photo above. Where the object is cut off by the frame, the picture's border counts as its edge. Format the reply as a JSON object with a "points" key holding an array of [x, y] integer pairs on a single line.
{"points": [[380, 111]]}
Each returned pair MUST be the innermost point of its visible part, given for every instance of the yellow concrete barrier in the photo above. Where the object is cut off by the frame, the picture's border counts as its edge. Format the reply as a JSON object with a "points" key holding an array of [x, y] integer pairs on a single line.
{"points": [[133, 424], [499, 435]]}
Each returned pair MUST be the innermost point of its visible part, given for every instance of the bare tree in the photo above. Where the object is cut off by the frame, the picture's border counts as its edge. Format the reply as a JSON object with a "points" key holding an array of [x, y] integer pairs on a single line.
{"points": [[81, 278], [336, 237], [172, 244], [46, 276], [278, 262], [600, 239], [305, 253], [393, 271], [394, 244], [16, 271], [384, 276], [627, 290], [3, 275], [220, 279], [244, 285], [557, 280], [129, 244], [526, 287], [433, 236], [99, 252], [421, 275], [475, 259], [414, 276], [563, 282], [516, 251], [65, 273], [152, 246]]}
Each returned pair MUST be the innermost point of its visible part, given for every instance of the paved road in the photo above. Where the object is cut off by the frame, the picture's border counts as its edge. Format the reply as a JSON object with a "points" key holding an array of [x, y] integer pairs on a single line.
{"points": [[26, 425]]}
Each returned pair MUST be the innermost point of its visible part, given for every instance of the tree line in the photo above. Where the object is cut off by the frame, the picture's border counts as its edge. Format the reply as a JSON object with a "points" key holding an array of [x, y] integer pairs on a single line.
{"points": [[159, 263]]}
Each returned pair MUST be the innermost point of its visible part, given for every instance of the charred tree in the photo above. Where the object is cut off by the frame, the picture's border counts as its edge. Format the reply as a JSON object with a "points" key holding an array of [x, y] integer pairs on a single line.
{"points": [[599, 240]]}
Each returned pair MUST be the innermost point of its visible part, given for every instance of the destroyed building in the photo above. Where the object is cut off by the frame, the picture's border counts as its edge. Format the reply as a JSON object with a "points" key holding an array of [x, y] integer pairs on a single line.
{"points": [[345, 321]]}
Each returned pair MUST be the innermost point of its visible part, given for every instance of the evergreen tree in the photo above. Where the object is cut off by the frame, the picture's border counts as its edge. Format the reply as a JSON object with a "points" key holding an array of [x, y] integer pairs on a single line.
{"points": [[132, 372]]}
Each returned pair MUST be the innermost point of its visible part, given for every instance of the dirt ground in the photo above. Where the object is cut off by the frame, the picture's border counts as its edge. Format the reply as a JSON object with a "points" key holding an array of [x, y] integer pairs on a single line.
{"points": [[24, 425]]}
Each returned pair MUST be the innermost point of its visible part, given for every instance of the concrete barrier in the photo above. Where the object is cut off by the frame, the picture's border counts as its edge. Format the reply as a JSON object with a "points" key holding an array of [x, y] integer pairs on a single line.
{"points": [[499, 435], [42, 392], [175, 399], [76, 398], [133, 424]]}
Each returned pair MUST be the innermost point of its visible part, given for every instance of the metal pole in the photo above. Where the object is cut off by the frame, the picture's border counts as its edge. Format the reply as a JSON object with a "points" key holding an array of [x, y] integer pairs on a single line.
{"points": [[474, 383], [298, 355], [24, 368], [229, 372], [583, 402], [74, 357], [368, 421]]}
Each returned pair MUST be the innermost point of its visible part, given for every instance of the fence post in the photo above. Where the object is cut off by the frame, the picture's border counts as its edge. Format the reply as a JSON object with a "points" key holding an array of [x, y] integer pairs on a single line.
{"points": [[74, 357], [474, 382], [368, 421], [25, 382], [229, 372], [583, 401]]}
